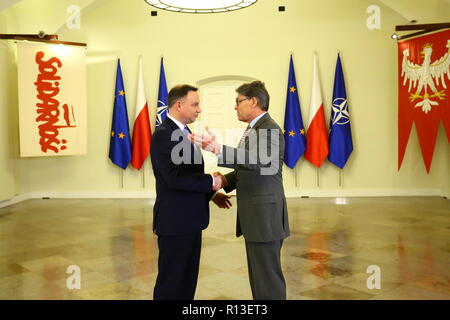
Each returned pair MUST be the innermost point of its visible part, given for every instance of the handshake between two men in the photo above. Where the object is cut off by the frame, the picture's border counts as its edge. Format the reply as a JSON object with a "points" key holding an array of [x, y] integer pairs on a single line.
{"points": [[219, 181], [208, 142], [220, 199]]}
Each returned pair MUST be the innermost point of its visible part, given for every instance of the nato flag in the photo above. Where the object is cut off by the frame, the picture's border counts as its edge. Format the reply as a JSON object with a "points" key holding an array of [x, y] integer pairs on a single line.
{"points": [[120, 145], [294, 132], [340, 137], [161, 110]]}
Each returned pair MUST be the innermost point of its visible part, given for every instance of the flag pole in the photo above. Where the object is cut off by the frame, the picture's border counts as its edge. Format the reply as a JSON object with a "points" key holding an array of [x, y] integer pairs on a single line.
{"points": [[143, 175], [295, 173], [318, 172], [340, 177], [121, 177]]}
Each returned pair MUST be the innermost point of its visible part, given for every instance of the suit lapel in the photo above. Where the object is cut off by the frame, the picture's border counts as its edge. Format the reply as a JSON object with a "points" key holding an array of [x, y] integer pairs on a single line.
{"points": [[254, 130], [194, 149], [261, 120], [170, 124]]}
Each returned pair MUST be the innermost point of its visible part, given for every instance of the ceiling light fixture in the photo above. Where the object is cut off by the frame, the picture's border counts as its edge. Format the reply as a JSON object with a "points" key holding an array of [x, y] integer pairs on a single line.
{"points": [[200, 6]]}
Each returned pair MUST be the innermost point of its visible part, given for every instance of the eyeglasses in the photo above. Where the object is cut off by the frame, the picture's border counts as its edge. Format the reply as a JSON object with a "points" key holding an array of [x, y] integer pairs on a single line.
{"points": [[239, 101]]}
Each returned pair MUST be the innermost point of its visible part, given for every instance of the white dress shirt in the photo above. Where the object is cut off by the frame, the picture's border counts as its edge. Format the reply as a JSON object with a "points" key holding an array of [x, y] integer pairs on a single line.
{"points": [[252, 123], [182, 127]]}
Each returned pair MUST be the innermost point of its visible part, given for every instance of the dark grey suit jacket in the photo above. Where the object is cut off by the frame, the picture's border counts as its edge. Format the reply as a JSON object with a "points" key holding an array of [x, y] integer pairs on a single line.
{"points": [[262, 214]]}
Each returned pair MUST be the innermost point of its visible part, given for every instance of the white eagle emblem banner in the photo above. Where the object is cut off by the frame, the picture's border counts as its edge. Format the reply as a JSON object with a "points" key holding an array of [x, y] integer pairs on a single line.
{"points": [[52, 99]]}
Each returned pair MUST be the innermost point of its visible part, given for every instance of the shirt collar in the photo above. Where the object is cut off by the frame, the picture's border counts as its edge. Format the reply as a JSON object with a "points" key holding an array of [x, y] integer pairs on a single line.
{"points": [[253, 122], [178, 123]]}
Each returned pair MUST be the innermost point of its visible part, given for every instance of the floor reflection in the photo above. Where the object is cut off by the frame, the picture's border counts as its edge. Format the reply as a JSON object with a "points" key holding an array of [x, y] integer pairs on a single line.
{"points": [[326, 256]]}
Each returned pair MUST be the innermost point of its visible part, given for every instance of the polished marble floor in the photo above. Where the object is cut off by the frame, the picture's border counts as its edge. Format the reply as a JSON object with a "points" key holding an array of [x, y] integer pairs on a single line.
{"points": [[333, 242]]}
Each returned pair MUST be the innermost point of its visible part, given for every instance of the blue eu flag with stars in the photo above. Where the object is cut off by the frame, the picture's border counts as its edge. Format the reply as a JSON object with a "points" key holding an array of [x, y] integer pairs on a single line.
{"points": [[340, 137], [120, 145], [294, 132], [161, 110]]}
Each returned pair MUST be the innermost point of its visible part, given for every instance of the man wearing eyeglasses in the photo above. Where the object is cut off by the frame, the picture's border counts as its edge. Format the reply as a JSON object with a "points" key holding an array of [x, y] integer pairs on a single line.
{"points": [[262, 216]]}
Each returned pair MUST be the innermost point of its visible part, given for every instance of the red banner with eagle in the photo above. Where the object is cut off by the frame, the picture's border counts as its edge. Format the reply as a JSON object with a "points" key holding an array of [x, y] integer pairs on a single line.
{"points": [[423, 94]]}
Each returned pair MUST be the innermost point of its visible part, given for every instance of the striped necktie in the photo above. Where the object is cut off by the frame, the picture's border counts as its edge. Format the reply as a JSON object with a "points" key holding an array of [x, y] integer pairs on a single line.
{"points": [[244, 135]]}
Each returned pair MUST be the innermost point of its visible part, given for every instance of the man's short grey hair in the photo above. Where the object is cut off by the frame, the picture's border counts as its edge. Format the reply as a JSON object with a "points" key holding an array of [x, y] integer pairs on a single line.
{"points": [[258, 90]]}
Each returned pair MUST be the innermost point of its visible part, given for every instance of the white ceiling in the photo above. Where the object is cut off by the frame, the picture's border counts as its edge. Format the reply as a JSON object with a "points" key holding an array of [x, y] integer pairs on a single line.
{"points": [[7, 3], [424, 11]]}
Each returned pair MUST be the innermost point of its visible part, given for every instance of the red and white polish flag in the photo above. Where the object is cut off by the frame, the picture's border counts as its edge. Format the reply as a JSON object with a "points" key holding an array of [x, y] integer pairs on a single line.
{"points": [[142, 132], [316, 134]]}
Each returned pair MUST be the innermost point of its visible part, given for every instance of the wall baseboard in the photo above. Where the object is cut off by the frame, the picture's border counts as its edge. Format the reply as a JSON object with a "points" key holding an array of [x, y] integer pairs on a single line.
{"points": [[338, 193], [151, 195], [14, 200], [95, 195]]}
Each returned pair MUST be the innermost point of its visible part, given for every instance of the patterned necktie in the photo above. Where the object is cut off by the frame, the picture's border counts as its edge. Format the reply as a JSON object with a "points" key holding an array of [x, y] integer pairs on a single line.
{"points": [[244, 135]]}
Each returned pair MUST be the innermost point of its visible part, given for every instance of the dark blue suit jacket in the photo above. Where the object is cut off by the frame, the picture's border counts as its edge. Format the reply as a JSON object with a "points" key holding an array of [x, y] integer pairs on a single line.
{"points": [[183, 190]]}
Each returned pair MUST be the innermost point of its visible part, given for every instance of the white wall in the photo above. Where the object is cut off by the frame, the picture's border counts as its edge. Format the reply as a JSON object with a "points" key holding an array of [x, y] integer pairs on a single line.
{"points": [[6, 170], [255, 42], [8, 119]]}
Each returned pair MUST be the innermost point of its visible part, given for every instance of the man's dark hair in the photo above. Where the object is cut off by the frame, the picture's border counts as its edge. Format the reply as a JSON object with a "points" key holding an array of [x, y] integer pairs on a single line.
{"points": [[258, 90], [178, 92]]}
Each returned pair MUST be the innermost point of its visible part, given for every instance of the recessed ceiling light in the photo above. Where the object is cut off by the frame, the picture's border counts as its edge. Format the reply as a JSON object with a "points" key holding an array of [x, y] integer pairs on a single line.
{"points": [[200, 6]]}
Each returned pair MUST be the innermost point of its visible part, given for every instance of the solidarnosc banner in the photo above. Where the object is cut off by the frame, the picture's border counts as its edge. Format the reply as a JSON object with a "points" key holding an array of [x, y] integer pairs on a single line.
{"points": [[52, 99]]}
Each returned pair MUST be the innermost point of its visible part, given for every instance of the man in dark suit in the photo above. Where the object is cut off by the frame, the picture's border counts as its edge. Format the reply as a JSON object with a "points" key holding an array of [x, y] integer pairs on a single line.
{"points": [[262, 216], [183, 192]]}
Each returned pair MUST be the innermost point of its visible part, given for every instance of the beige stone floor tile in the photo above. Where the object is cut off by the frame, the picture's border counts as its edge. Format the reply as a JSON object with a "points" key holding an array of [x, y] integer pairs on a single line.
{"points": [[336, 292], [302, 281], [207, 271], [319, 255], [294, 245], [433, 282], [27, 286], [30, 254], [233, 285], [99, 263], [225, 257], [349, 265], [7, 270], [358, 282], [206, 293], [113, 291], [90, 250], [149, 254], [145, 283], [212, 241], [410, 292], [296, 264], [49, 239], [9, 247], [222, 298], [125, 271], [42, 264], [380, 256], [144, 297], [88, 279], [299, 297]]}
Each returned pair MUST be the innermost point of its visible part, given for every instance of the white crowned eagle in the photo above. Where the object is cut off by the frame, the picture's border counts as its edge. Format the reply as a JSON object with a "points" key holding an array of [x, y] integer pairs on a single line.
{"points": [[425, 75]]}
